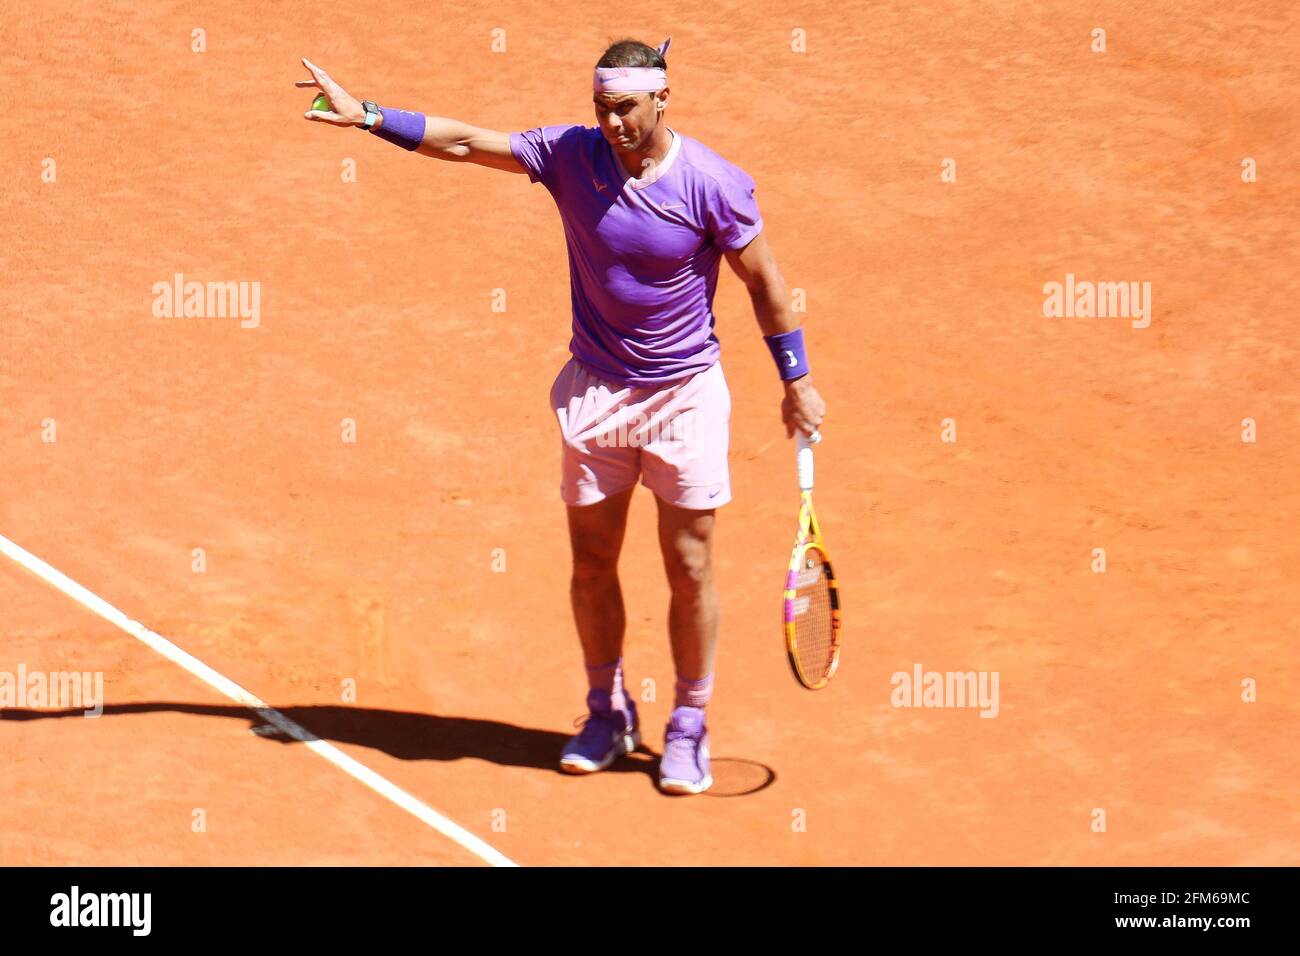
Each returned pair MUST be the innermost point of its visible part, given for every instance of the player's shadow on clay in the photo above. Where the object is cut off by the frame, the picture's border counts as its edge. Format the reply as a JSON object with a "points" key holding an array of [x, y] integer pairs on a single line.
{"points": [[413, 736]]}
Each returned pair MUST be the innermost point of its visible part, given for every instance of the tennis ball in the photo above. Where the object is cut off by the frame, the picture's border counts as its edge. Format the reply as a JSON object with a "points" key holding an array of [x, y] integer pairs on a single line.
{"points": [[322, 103]]}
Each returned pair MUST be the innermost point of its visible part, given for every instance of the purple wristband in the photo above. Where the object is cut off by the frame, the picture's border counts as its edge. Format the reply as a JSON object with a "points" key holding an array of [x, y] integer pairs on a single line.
{"points": [[788, 353], [401, 128]]}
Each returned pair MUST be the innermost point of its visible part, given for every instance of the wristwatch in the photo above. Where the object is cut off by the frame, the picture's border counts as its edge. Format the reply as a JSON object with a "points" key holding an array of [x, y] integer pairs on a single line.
{"points": [[372, 114]]}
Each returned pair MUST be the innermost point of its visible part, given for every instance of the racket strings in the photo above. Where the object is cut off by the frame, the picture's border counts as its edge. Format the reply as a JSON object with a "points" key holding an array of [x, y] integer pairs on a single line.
{"points": [[814, 625]]}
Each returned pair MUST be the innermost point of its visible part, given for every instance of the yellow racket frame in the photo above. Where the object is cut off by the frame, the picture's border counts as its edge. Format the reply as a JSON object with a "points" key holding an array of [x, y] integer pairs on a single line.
{"points": [[809, 535]]}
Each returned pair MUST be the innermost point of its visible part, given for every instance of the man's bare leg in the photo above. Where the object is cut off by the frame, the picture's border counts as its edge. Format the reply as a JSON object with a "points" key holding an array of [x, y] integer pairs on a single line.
{"points": [[596, 536], [596, 539], [686, 540]]}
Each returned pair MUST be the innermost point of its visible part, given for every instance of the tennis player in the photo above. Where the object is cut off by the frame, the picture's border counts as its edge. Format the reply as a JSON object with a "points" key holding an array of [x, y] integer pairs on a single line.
{"points": [[647, 214]]}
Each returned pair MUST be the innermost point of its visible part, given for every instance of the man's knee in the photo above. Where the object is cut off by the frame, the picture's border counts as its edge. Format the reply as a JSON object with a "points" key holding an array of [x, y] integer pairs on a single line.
{"points": [[689, 567], [596, 538], [594, 560]]}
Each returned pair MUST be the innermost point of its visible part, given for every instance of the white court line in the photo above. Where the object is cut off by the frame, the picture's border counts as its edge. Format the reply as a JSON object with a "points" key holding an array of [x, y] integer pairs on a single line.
{"points": [[224, 685]]}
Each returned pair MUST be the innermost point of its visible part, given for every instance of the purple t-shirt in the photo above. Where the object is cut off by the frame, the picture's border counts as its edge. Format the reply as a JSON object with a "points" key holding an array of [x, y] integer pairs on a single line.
{"points": [[643, 253]]}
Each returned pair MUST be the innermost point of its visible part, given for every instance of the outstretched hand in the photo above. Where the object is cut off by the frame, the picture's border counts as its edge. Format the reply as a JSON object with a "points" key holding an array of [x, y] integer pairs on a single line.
{"points": [[345, 109]]}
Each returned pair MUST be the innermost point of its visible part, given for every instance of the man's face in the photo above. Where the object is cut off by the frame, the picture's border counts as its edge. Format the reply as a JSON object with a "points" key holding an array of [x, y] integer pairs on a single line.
{"points": [[627, 119]]}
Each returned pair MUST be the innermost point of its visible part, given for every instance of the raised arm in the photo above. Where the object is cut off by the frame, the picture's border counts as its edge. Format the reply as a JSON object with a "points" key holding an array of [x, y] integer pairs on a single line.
{"points": [[444, 138]]}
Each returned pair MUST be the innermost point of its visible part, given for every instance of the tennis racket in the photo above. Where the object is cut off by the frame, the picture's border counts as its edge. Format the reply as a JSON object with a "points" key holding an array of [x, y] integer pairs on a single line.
{"points": [[812, 598]]}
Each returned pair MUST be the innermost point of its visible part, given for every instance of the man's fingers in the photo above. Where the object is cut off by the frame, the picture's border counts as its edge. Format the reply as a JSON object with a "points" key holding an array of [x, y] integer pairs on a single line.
{"points": [[803, 415], [301, 83], [326, 116], [809, 424], [323, 79]]}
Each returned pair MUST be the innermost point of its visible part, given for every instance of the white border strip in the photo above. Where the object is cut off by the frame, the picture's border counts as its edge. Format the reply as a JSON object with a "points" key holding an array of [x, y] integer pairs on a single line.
{"points": [[224, 685]]}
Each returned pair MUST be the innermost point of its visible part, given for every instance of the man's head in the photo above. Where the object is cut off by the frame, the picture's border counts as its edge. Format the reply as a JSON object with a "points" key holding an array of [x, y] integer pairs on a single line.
{"points": [[628, 119]]}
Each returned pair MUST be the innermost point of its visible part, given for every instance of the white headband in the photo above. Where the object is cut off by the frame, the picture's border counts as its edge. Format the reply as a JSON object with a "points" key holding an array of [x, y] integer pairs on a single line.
{"points": [[631, 79]]}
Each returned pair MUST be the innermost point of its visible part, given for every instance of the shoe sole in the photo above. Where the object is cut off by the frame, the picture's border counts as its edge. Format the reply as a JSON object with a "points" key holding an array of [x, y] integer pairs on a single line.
{"points": [[682, 787], [580, 765]]}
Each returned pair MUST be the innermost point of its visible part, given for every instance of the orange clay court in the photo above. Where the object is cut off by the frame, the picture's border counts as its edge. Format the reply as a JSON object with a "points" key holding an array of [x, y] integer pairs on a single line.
{"points": [[372, 562]]}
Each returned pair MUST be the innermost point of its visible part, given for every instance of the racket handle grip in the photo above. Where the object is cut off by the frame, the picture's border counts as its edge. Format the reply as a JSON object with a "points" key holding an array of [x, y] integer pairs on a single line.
{"points": [[804, 458]]}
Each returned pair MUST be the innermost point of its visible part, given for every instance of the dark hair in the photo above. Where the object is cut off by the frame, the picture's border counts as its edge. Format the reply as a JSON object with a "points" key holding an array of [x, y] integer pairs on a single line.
{"points": [[632, 53]]}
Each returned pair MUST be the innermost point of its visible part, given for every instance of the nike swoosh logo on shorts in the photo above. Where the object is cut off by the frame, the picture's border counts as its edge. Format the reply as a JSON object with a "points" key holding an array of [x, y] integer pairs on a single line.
{"points": [[673, 205]]}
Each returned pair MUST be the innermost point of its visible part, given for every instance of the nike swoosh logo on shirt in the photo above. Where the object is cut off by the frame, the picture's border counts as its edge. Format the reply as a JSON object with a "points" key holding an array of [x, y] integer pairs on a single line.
{"points": [[672, 205]]}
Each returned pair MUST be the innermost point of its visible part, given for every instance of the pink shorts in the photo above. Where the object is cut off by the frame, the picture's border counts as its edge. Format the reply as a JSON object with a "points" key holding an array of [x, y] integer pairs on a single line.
{"points": [[673, 437]]}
